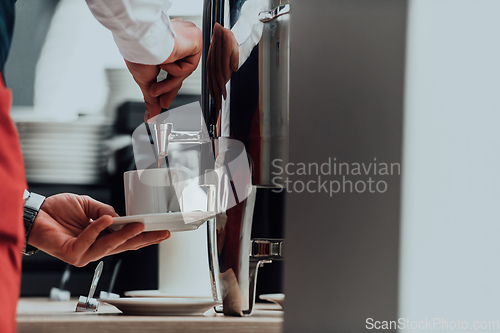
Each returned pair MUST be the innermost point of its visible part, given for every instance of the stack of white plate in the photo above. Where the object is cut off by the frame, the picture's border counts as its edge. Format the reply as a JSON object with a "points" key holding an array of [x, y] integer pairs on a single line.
{"points": [[65, 153], [122, 88]]}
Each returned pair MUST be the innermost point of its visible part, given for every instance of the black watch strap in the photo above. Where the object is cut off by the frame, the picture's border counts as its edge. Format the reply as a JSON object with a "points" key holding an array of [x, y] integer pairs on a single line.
{"points": [[31, 207]]}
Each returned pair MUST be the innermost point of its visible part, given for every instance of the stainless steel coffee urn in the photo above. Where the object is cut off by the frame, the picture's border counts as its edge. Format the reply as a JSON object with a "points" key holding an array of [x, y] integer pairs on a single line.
{"points": [[245, 97]]}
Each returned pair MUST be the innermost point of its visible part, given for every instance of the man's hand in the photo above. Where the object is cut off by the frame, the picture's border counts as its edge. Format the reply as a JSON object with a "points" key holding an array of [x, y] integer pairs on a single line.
{"points": [[180, 64], [73, 229], [222, 61]]}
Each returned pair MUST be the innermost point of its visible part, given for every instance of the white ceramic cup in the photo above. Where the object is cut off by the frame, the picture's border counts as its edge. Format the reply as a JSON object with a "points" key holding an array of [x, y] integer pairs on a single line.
{"points": [[153, 191], [183, 258]]}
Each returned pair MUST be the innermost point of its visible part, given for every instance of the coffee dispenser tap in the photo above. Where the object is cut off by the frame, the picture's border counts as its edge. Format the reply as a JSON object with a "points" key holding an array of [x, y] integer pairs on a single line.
{"points": [[162, 132]]}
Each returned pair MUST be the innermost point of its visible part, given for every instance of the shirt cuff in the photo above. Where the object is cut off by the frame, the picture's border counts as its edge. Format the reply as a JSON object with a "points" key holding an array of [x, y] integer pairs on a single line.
{"points": [[142, 29], [248, 28], [153, 48]]}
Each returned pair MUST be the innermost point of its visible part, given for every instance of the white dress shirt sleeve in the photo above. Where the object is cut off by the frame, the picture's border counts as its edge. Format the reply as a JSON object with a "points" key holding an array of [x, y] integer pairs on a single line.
{"points": [[248, 29], [141, 28]]}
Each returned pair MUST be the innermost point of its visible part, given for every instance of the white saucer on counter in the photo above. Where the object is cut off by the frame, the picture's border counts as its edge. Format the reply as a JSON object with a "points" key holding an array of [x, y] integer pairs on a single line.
{"points": [[155, 293], [174, 222], [153, 306], [146, 293]]}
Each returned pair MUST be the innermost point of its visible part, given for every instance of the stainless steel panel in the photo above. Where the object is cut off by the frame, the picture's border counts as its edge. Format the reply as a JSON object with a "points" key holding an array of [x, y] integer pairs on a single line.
{"points": [[254, 110]]}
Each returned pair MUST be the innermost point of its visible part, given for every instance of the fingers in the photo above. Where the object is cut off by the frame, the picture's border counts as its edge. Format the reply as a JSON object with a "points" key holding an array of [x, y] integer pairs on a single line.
{"points": [[184, 66], [235, 55], [210, 60], [145, 76], [105, 245], [180, 64], [95, 209], [213, 64], [223, 59], [167, 85], [77, 241], [89, 235], [167, 90], [226, 60], [230, 55], [219, 58], [153, 107], [142, 240], [167, 99]]}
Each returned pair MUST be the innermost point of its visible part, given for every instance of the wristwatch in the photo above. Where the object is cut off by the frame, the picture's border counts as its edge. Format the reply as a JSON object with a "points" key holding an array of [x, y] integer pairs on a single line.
{"points": [[32, 205]]}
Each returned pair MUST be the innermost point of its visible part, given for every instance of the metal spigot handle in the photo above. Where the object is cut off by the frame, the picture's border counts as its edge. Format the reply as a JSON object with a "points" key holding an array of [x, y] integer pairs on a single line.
{"points": [[268, 16]]}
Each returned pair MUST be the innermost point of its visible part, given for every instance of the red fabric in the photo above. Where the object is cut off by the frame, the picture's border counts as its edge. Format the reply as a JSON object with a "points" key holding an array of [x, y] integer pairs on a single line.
{"points": [[12, 185]]}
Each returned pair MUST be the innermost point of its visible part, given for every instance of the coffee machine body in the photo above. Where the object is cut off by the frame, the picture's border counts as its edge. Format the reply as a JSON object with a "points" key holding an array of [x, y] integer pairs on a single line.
{"points": [[245, 99]]}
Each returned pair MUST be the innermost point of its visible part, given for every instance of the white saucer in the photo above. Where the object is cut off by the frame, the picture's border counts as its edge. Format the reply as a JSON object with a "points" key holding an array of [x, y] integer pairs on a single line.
{"points": [[172, 222], [146, 293], [275, 298], [154, 293], [163, 306]]}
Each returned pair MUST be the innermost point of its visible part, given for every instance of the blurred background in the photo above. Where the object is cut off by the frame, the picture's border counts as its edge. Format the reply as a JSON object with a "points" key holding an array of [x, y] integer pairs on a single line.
{"points": [[76, 105]]}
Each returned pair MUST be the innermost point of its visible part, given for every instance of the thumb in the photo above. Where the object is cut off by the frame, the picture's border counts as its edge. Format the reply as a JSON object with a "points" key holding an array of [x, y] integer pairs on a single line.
{"points": [[96, 209]]}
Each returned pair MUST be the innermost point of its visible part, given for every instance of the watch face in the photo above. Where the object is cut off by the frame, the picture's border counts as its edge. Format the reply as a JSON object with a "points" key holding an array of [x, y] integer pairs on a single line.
{"points": [[26, 194], [34, 201]]}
